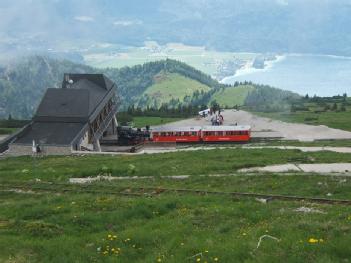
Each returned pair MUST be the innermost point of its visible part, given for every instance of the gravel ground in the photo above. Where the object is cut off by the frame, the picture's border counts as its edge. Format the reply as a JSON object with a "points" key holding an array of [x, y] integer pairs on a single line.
{"points": [[155, 150], [268, 128], [344, 168]]}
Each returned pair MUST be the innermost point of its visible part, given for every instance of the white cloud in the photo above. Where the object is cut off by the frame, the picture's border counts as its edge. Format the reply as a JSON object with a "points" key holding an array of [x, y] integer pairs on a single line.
{"points": [[127, 22], [84, 18]]}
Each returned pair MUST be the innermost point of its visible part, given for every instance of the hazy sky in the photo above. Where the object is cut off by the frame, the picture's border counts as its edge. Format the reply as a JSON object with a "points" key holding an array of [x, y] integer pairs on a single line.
{"points": [[134, 20]]}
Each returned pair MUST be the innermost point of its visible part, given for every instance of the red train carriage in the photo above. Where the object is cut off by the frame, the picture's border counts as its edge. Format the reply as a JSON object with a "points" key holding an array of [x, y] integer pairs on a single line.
{"points": [[176, 134], [226, 133]]}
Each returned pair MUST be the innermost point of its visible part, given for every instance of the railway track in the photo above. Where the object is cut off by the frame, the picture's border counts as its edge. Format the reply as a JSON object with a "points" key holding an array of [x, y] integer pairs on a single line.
{"points": [[155, 191]]}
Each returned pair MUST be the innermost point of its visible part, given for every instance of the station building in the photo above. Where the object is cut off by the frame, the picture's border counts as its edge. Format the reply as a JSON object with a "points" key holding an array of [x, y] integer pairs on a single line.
{"points": [[71, 118]]}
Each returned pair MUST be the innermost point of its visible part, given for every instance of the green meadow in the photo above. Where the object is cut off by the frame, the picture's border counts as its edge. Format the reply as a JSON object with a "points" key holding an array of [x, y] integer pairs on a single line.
{"points": [[170, 86], [232, 96], [50, 220], [316, 114]]}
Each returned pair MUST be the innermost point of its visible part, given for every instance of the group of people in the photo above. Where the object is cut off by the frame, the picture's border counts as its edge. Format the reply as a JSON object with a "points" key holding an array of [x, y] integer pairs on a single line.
{"points": [[217, 120]]}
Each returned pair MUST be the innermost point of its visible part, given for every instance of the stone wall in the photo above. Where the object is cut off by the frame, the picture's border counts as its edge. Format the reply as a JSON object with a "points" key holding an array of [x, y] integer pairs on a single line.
{"points": [[18, 150]]}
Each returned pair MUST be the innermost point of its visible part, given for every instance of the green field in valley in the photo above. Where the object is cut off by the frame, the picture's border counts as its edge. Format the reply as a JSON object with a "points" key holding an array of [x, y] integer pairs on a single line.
{"points": [[173, 85], [49, 220], [205, 60]]}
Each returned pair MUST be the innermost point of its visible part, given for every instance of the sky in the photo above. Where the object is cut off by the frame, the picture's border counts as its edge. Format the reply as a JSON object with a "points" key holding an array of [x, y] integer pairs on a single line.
{"points": [[35, 22]]}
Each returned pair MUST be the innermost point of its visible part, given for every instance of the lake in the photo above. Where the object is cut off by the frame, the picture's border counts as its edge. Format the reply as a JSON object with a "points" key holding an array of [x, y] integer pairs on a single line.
{"points": [[313, 74]]}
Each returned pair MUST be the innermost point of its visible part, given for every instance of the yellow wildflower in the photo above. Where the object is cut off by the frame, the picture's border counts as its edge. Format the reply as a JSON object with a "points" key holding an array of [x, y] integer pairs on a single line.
{"points": [[198, 259], [215, 259], [312, 240], [159, 260]]}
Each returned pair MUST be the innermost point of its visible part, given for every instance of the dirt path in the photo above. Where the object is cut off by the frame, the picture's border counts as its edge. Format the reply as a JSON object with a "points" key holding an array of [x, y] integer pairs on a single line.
{"points": [[156, 150], [268, 128], [340, 168], [326, 169]]}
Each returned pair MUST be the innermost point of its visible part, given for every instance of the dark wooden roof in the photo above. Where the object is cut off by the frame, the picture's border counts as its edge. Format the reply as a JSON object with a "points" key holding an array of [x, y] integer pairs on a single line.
{"points": [[64, 114], [52, 133], [77, 100]]}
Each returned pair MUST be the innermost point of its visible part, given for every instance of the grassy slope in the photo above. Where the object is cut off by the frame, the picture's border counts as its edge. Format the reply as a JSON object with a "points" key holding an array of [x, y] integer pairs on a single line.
{"points": [[337, 120], [74, 227], [193, 163], [232, 96], [173, 85]]}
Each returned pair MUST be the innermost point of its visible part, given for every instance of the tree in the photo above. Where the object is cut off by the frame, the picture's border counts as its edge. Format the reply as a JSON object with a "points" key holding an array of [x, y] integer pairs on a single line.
{"points": [[335, 107], [214, 105], [343, 107]]}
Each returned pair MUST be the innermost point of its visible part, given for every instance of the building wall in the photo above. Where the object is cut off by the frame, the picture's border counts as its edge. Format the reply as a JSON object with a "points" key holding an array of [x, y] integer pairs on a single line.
{"points": [[18, 150]]}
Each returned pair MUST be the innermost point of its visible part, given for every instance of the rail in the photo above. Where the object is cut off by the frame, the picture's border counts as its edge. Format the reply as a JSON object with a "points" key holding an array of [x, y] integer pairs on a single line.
{"points": [[155, 191]]}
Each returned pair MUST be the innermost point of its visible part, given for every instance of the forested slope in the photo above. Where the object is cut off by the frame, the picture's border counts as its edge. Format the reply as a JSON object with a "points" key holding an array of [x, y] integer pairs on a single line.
{"points": [[154, 84]]}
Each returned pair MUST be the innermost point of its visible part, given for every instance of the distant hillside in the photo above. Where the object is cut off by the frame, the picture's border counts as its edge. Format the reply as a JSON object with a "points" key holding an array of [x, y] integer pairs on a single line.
{"points": [[232, 96], [23, 82], [168, 87], [163, 83]]}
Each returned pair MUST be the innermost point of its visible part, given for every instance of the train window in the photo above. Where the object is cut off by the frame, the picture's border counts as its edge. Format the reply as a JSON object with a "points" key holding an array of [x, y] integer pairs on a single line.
{"points": [[155, 133], [193, 133], [186, 133], [220, 133], [163, 134]]}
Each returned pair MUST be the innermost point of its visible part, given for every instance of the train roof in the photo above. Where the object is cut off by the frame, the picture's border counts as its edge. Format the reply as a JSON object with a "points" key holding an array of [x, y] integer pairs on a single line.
{"points": [[227, 128], [176, 129]]}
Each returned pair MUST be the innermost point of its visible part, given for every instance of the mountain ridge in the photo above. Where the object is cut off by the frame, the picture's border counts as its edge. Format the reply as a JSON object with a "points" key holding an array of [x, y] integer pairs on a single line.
{"points": [[23, 83]]}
